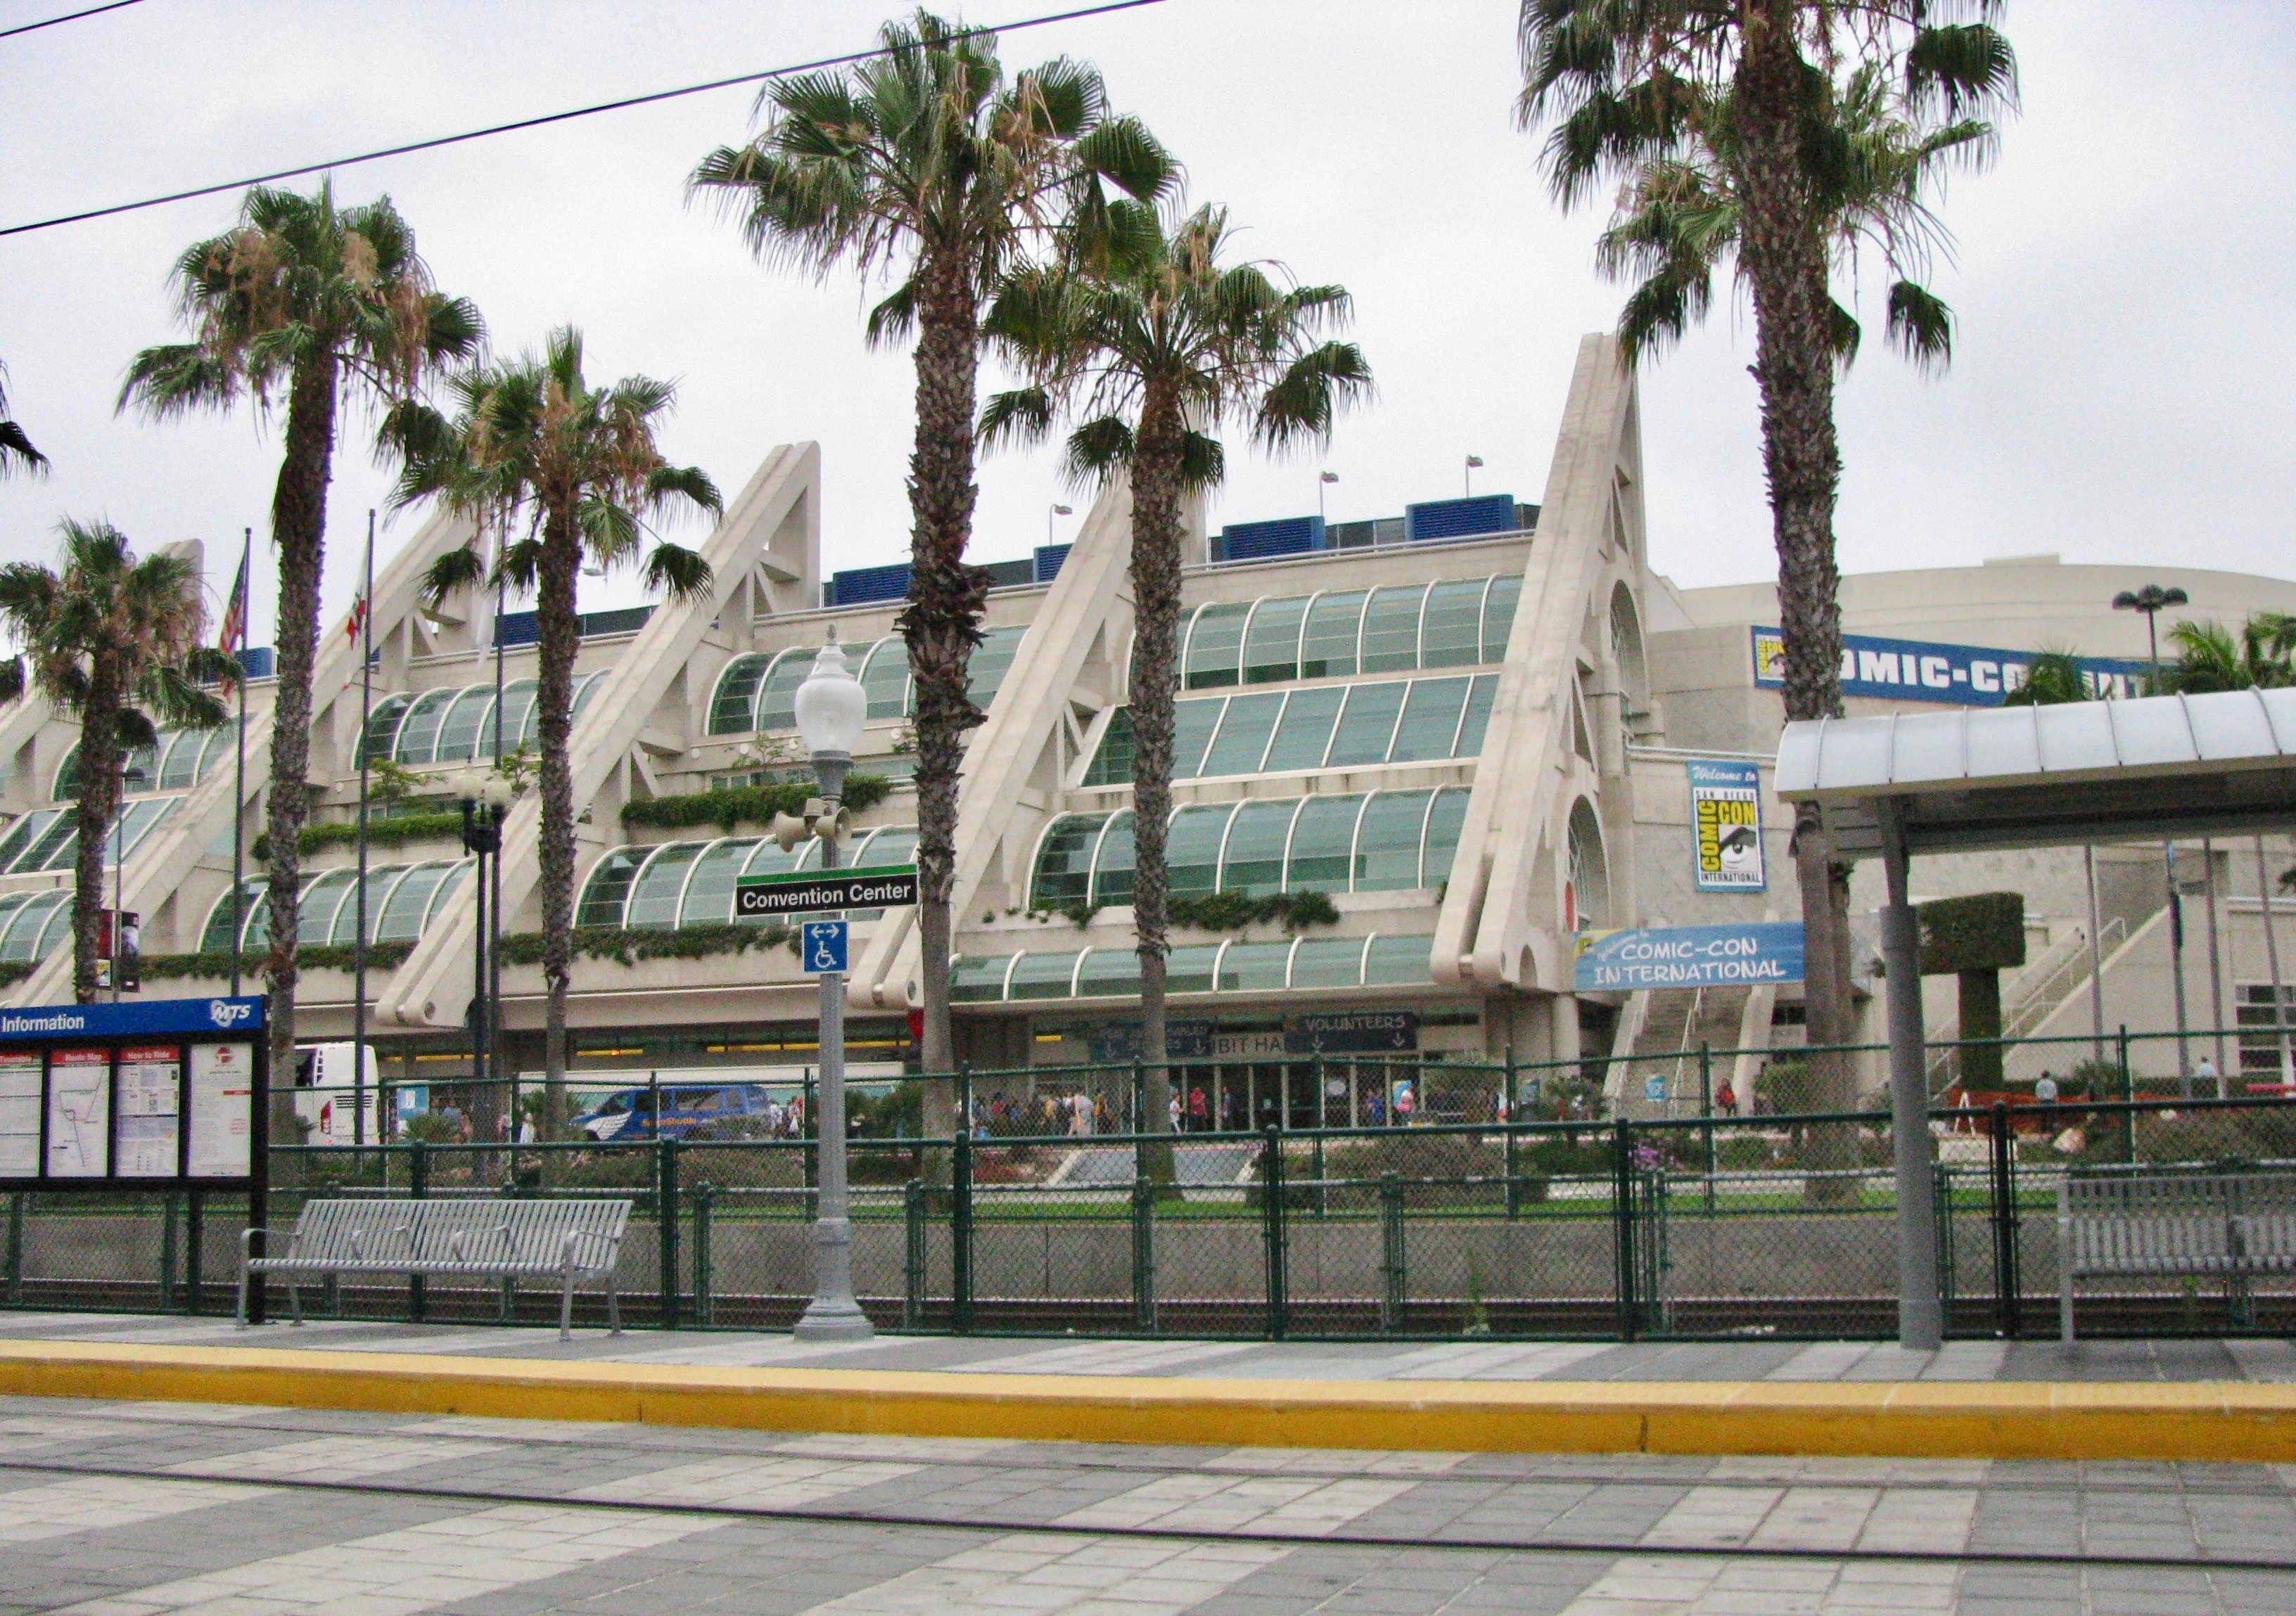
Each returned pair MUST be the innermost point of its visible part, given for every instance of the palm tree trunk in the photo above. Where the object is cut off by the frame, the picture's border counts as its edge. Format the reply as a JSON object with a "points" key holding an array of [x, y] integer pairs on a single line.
{"points": [[1155, 682], [560, 637], [99, 800], [298, 528], [941, 624]]}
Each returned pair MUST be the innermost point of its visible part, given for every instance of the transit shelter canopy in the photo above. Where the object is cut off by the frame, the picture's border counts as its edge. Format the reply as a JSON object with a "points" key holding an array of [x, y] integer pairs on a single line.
{"points": [[2077, 771]]}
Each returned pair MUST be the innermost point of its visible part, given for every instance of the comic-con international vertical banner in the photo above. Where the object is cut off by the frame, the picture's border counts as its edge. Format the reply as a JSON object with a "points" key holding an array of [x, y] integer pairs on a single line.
{"points": [[1725, 817]]}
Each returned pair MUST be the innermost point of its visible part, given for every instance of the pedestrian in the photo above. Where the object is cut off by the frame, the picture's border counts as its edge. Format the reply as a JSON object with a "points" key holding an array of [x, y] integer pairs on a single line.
{"points": [[1199, 1112], [2207, 1073], [2045, 1089], [1174, 1109], [1726, 1099]]}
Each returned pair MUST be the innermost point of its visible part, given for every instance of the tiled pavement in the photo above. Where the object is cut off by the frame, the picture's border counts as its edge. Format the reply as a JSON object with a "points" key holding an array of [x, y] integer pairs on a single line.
{"points": [[141, 1509]]}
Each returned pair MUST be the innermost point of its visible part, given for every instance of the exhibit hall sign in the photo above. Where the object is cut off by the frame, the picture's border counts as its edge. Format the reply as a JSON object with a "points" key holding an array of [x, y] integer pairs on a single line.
{"points": [[1690, 956], [1926, 669], [1725, 822], [811, 892]]}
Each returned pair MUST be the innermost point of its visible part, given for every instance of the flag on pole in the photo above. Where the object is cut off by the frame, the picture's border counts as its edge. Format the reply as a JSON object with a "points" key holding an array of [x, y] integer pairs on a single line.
{"points": [[231, 641], [357, 620]]}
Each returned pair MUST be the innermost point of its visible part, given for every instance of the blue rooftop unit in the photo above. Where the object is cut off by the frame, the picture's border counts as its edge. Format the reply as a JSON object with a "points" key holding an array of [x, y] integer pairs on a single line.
{"points": [[1291, 536], [1048, 559], [1459, 519], [865, 585], [525, 628]]}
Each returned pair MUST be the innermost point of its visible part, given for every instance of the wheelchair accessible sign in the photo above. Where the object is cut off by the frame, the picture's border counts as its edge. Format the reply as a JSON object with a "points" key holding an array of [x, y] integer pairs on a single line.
{"points": [[824, 943], [1690, 956]]}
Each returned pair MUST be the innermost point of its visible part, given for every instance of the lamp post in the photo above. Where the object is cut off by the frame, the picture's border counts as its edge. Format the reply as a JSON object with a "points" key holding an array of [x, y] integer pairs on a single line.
{"points": [[2152, 600], [1049, 515], [486, 799], [1474, 464], [129, 774], [830, 706], [1321, 482]]}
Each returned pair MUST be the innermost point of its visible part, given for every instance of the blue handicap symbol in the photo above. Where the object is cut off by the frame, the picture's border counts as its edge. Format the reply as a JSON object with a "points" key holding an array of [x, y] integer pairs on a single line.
{"points": [[824, 945]]}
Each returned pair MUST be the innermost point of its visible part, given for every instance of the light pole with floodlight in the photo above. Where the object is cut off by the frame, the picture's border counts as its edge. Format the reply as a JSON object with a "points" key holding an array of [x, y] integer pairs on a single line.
{"points": [[1049, 515], [1474, 464], [1321, 482], [830, 708]]}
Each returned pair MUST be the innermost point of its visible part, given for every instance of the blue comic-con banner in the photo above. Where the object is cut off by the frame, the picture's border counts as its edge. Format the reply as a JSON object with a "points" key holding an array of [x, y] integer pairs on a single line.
{"points": [[1725, 822], [1923, 670], [1690, 956]]}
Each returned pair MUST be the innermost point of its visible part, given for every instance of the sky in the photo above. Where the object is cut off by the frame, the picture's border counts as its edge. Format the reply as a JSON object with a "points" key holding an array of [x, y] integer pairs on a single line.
{"points": [[2118, 391]]}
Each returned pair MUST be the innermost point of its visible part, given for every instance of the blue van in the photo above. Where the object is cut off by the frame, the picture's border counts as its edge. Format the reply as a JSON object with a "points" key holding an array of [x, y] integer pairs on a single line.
{"points": [[628, 1113]]}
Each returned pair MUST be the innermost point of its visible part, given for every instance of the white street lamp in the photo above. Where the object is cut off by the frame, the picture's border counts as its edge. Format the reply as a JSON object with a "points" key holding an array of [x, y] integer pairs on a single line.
{"points": [[1321, 482], [1474, 464], [1049, 515], [831, 708]]}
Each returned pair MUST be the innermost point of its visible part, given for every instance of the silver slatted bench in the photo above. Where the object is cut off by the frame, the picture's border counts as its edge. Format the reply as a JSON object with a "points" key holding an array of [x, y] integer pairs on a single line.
{"points": [[492, 1237], [2234, 1226]]}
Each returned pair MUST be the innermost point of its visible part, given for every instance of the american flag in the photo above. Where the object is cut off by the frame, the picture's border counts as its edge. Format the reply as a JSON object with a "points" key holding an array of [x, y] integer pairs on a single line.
{"points": [[231, 640]]}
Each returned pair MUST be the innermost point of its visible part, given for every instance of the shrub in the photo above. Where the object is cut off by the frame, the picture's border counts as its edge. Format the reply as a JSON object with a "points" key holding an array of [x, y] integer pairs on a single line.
{"points": [[1232, 911], [628, 948], [394, 831], [310, 957], [726, 806]]}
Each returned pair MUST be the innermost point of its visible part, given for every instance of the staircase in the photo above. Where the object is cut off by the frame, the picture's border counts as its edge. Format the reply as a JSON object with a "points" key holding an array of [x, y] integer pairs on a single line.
{"points": [[1675, 1021]]}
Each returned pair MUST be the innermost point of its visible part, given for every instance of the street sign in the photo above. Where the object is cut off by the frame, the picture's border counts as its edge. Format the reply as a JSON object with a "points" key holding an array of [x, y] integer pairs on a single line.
{"points": [[823, 945], [887, 886]]}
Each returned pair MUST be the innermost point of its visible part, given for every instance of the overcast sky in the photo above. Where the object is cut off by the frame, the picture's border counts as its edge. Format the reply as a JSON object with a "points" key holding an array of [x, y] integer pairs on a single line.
{"points": [[2121, 392]]}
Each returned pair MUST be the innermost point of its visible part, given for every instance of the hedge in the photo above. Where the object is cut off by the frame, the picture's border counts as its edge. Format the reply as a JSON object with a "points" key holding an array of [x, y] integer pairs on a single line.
{"points": [[312, 957], [1232, 911], [726, 806], [1983, 931], [628, 948]]}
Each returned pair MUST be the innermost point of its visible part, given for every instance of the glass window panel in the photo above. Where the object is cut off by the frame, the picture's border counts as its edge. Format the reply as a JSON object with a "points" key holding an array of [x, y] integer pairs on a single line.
{"points": [[1398, 961], [214, 937], [1328, 962], [602, 895], [885, 678], [1271, 645], [139, 821], [1242, 736], [56, 933], [1215, 646], [1254, 967], [584, 690], [420, 731], [500, 731], [992, 659], [24, 832], [458, 732], [655, 896], [382, 725], [10, 905], [977, 978], [1478, 716], [1189, 970], [1387, 841], [1327, 649], [777, 696], [1452, 628], [1390, 638], [16, 944], [67, 775], [1109, 971], [1193, 723], [1304, 734], [1498, 616], [140, 769], [710, 890], [259, 916], [1367, 728], [1042, 975], [733, 704], [402, 917], [380, 882], [1064, 860], [1253, 862], [1323, 844], [1430, 720], [1443, 822], [894, 845], [179, 763], [53, 849], [1192, 855], [222, 740], [1112, 867], [315, 916], [445, 892], [1112, 766]]}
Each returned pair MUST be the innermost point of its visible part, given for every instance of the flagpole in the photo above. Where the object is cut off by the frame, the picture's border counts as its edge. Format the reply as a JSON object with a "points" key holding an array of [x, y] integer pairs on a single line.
{"points": [[238, 785], [366, 627]]}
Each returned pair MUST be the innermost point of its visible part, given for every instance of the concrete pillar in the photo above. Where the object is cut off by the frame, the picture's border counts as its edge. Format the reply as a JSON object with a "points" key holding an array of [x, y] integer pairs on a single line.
{"points": [[1921, 1314]]}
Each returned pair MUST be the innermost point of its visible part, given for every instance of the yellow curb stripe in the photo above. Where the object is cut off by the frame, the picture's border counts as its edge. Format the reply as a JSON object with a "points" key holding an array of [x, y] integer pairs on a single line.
{"points": [[2073, 1420]]}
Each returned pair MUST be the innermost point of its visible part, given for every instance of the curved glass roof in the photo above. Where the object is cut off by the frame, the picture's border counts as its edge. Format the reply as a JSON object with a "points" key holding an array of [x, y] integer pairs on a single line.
{"points": [[177, 761], [1328, 726], [1381, 959], [456, 724], [33, 922], [402, 900], [759, 690], [669, 884], [1456, 622], [48, 838], [1379, 841]]}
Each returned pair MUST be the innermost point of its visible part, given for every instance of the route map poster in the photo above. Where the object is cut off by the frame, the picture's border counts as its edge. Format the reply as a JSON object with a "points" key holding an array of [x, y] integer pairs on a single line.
{"points": [[222, 1091], [80, 1113], [20, 1114], [151, 1107]]}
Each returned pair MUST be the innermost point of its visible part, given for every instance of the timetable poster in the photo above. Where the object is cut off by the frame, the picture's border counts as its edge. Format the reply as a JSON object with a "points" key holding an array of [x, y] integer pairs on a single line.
{"points": [[222, 1110], [20, 1114], [80, 1113], [151, 1107]]}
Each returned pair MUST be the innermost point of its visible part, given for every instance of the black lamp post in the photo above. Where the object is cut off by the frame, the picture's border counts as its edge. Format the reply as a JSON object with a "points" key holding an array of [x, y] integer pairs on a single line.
{"points": [[486, 801], [2152, 600]]}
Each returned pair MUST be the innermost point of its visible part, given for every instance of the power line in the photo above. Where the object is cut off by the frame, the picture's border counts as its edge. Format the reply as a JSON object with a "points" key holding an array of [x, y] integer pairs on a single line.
{"points": [[92, 11], [550, 118]]}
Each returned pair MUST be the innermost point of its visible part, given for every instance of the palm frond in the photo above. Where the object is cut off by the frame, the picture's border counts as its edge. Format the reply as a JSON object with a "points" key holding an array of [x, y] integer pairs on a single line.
{"points": [[679, 573], [451, 574], [1018, 418], [1921, 326]]}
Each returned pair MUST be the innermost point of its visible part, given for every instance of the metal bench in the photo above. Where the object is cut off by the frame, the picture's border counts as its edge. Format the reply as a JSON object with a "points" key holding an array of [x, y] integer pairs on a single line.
{"points": [[2232, 1226], [494, 1238]]}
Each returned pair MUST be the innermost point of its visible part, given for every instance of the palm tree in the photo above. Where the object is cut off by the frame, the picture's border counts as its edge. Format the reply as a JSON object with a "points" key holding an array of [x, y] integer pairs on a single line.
{"points": [[2054, 679], [115, 642], [2209, 657], [534, 447], [1745, 94], [315, 305], [16, 451], [1156, 350], [925, 162]]}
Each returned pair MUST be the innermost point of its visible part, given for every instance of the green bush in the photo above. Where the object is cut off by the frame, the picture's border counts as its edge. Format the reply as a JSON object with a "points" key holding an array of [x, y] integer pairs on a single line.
{"points": [[310, 957], [626, 948], [726, 806], [1982, 932], [394, 831], [1232, 911]]}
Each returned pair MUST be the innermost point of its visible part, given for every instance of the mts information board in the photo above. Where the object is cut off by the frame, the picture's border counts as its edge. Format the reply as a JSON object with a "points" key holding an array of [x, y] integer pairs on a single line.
{"points": [[1923, 670], [1690, 956], [166, 1092], [1725, 824]]}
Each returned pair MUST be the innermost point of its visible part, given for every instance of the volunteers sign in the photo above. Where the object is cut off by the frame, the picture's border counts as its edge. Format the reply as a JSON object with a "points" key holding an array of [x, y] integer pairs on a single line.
{"points": [[887, 886], [1924, 670], [1690, 956], [1726, 820]]}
